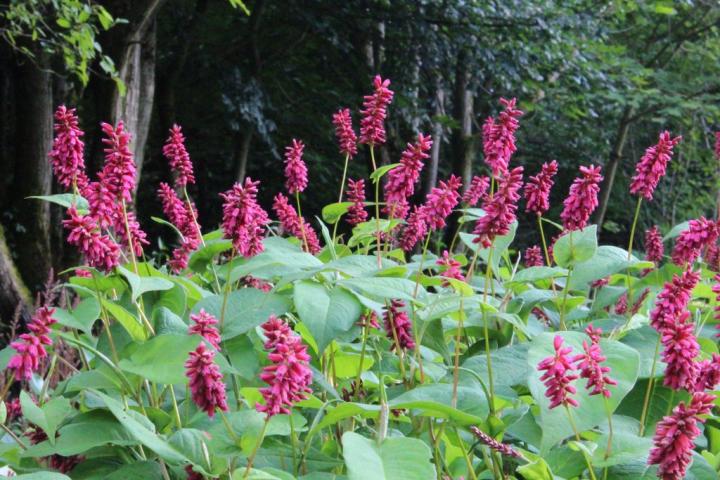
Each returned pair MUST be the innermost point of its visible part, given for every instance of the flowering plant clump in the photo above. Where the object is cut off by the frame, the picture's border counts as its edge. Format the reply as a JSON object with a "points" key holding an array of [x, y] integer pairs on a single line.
{"points": [[357, 344]]}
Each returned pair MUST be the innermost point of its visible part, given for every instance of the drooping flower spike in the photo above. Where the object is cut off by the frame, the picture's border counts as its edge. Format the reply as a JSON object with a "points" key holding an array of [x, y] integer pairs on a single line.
{"points": [[68, 148], [654, 249], [499, 208], [99, 250], [178, 157], [499, 137], [374, 111], [244, 220], [401, 180], [652, 166], [204, 324], [558, 377], [590, 365], [206, 381], [451, 268], [499, 447], [537, 189], [415, 229], [295, 224], [356, 195], [347, 140], [30, 347], [582, 200], [673, 299], [398, 327], [440, 202], [296, 178], [700, 233], [476, 191]]}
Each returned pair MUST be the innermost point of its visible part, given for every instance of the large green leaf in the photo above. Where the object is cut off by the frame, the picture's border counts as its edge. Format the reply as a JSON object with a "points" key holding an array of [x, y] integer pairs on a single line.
{"points": [[128, 321], [382, 288], [82, 317], [435, 400], [624, 363], [141, 284], [49, 416], [201, 258], [161, 359], [331, 213], [606, 261], [65, 200], [328, 314], [576, 246], [395, 459], [246, 309]]}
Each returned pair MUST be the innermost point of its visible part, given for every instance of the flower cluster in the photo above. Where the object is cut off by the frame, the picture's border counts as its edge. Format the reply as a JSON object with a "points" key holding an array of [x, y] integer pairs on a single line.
{"points": [[476, 191], [700, 233], [534, 257], [30, 348], [590, 365], [401, 180], [557, 377], [244, 220], [204, 325], [372, 124], [347, 140], [398, 326], [66, 155], [500, 208], [356, 195], [99, 250], [537, 189], [582, 199], [178, 157], [206, 381], [295, 224], [451, 268], [499, 137], [296, 178], [288, 376], [184, 217], [499, 447], [654, 249], [652, 166]]}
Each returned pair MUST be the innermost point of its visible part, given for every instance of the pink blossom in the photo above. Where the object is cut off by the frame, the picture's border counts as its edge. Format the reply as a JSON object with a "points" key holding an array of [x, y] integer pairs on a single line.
{"points": [[700, 233], [675, 436], [654, 249], [537, 189], [30, 348], [451, 268], [652, 166], [174, 208], [244, 220], [673, 300], [103, 206], [99, 250], [499, 137], [204, 325], [130, 233], [206, 381], [66, 155], [638, 303], [372, 124], [347, 140], [708, 376], [589, 364], [296, 178], [499, 208], [178, 157], [289, 375], [500, 447], [557, 377], [476, 191], [181, 254], [295, 224], [582, 199], [621, 306], [257, 283], [534, 257], [440, 202], [415, 229], [680, 348], [118, 174], [356, 195], [712, 257], [716, 291], [398, 326], [401, 180]]}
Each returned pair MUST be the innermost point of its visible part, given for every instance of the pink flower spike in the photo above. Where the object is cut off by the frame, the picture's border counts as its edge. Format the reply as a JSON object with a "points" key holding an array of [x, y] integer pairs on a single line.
{"points": [[699, 234], [675, 435], [499, 209], [680, 347], [589, 364], [100, 251], [534, 257], [652, 166], [206, 381], [30, 348], [557, 377], [173, 208], [372, 124], [708, 376], [582, 199], [716, 291], [499, 137], [204, 325], [288, 376], [476, 191], [673, 300], [356, 195], [401, 180], [414, 231], [178, 157], [130, 233], [398, 326], [118, 174], [537, 189], [244, 220], [451, 268], [296, 178], [499, 447], [294, 224], [347, 140], [654, 249], [440, 202], [68, 148]]}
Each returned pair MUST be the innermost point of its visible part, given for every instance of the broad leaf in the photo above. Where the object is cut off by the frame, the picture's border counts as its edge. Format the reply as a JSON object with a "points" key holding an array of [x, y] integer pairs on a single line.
{"points": [[395, 459], [576, 246]]}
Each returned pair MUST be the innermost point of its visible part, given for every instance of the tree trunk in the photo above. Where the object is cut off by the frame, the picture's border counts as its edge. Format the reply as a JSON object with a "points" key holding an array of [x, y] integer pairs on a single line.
{"points": [[612, 166], [431, 171], [15, 298], [33, 173], [242, 152]]}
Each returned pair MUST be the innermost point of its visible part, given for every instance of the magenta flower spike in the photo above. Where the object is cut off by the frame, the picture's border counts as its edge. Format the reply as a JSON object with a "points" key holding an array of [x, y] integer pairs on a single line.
{"points": [[398, 327], [296, 172], [582, 199], [499, 137], [537, 189], [558, 377], [652, 166], [244, 220], [204, 324], [206, 381], [68, 149], [374, 112], [178, 157], [700, 233], [500, 208], [347, 140]]}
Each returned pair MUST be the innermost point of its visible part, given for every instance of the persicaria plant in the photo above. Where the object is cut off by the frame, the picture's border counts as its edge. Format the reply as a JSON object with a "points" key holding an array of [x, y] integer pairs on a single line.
{"points": [[359, 345]]}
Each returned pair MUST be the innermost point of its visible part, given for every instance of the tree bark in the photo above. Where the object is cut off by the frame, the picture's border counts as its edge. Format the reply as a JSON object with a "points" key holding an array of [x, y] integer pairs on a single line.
{"points": [[33, 173], [242, 152], [15, 298], [431, 171], [612, 165]]}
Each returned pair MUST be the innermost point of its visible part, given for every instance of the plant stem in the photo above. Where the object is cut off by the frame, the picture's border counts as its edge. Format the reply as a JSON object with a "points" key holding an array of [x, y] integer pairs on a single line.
{"points": [[564, 299], [544, 242], [651, 381], [486, 332], [255, 449], [176, 410], [302, 222], [366, 328], [340, 197], [226, 292], [630, 247], [200, 235], [456, 364], [46, 383], [610, 428], [471, 470], [577, 437], [377, 205], [14, 437]]}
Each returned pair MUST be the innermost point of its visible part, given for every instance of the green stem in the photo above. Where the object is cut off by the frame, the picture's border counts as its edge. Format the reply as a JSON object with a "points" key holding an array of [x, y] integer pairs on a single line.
{"points": [[577, 437], [456, 364], [302, 222], [486, 332], [340, 197], [377, 206], [226, 292], [468, 461], [363, 349], [610, 428], [544, 242], [200, 235], [46, 383], [564, 300], [255, 449], [651, 381], [630, 247], [176, 410]]}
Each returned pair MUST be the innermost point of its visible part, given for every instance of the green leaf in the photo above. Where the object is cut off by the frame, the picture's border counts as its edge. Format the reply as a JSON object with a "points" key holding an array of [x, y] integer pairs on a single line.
{"points": [[536, 469], [499, 246], [41, 476], [576, 246], [624, 363], [381, 171], [381, 288], [141, 432], [246, 309], [396, 459], [128, 321], [49, 416], [606, 261], [331, 213], [162, 358], [533, 274], [139, 284], [66, 200], [83, 317], [328, 314], [434, 400], [201, 258], [166, 322]]}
